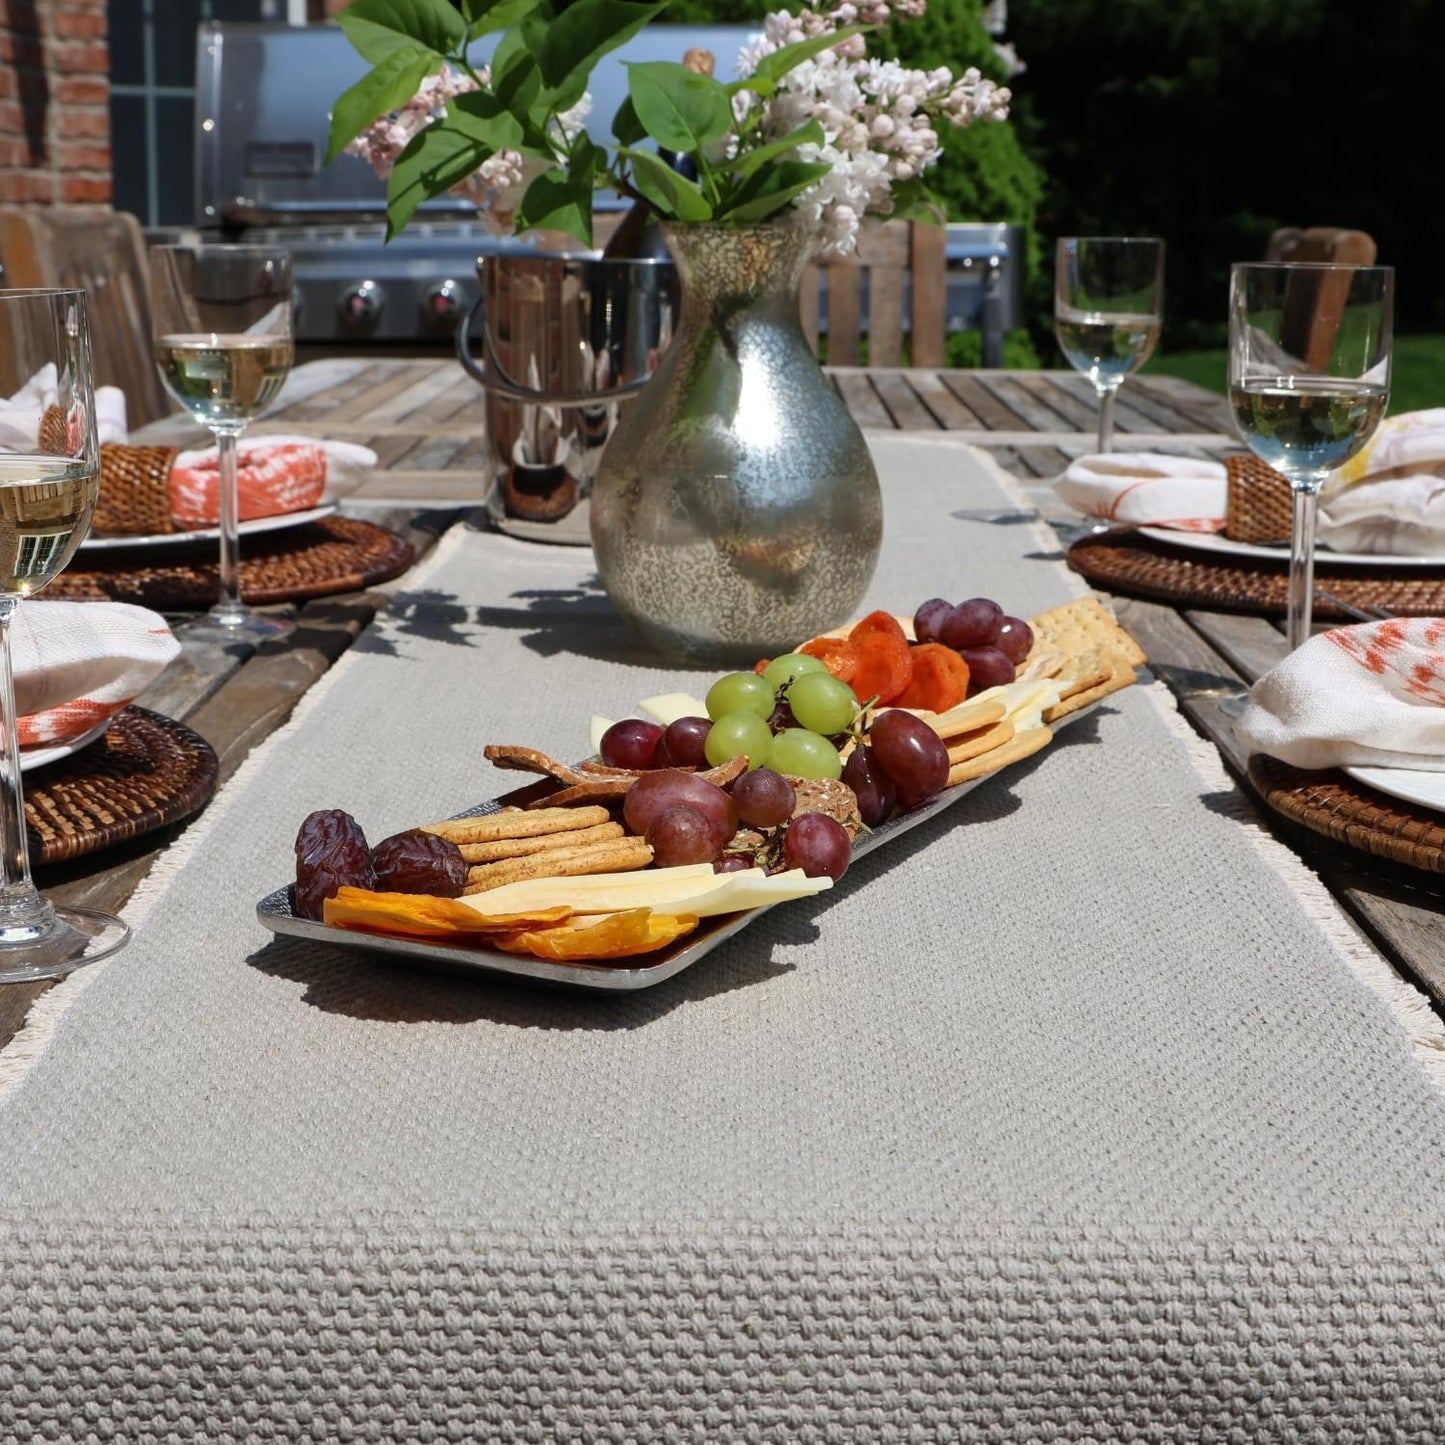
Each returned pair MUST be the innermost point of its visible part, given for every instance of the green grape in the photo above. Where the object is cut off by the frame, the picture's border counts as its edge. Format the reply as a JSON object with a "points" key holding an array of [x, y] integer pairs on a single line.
{"points": [[821, 703], [804, 754], [740, 692], [739, 732], [791, 665]]}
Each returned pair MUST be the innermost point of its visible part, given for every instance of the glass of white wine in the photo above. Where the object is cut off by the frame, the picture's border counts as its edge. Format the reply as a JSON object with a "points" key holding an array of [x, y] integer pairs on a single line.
{"points": [[1309, 381], [49, 483], [221, 328], [1108, 308]]}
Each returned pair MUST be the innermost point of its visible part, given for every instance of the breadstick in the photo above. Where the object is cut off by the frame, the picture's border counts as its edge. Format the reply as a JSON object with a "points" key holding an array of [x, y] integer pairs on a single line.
{"points": [[517, 823]]}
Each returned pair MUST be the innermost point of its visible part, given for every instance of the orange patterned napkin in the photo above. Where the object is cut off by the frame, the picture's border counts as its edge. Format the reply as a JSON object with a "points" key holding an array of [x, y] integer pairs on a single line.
{"points": [[1366, 696], [79, 663]]}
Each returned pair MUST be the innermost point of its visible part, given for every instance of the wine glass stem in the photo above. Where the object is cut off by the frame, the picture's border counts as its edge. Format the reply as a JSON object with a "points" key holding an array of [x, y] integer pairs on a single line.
{"points": [[1302, 563], [229, 606], [1106, 419], [21, 907]]}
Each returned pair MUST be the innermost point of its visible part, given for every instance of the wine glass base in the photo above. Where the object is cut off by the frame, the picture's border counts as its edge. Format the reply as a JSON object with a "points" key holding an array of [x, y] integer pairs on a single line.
{"points": [[69, 939], [243, 626]]}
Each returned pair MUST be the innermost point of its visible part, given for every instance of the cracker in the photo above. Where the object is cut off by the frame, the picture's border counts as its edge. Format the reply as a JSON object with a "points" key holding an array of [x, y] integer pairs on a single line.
{"points": [[516, 823], [1120, 677], [494, 852], [1021, 745], [965, 717], [970, 745], [617, 855], [583, 797], [1085, 625]]}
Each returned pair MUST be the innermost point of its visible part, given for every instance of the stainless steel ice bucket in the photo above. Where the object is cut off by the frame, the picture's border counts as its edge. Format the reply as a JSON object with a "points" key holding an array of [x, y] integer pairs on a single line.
{"points": [[559, 342]]}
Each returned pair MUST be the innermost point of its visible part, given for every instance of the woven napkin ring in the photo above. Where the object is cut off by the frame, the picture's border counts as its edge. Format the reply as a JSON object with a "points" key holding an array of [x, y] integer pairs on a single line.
{"points": [[1260, 506], [134, 491]]}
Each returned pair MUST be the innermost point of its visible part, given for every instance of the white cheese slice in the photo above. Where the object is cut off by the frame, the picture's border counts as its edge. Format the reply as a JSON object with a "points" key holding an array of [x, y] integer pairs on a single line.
{"points": [[595, 728], [667, 707]]}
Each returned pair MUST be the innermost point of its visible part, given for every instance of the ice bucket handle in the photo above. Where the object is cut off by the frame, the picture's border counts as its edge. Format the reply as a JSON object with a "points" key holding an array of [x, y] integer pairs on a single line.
{"points": [[488, 369]]}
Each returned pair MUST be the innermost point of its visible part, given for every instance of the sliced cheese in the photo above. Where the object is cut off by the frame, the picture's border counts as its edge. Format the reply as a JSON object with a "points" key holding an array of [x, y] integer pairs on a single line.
{"points": [[667, 707], [595, 728], [597, 892]]}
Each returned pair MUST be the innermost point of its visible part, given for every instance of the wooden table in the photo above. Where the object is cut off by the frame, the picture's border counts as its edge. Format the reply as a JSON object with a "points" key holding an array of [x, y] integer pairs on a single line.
{"points": [[424, 418]]}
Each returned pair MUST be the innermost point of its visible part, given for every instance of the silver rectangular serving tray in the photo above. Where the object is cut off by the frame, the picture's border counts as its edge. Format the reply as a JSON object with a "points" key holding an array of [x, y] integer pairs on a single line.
{"points": [[274, 912]]}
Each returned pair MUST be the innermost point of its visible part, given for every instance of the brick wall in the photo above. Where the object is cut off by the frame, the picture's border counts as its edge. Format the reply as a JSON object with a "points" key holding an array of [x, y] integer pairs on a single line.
{"points": [[54, 103]]}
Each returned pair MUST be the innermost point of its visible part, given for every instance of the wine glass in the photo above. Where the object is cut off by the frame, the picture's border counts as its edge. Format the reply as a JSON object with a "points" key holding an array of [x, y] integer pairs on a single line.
{"points": [[1309, 380], [1108, 308], [221, 327], [49, 484]]}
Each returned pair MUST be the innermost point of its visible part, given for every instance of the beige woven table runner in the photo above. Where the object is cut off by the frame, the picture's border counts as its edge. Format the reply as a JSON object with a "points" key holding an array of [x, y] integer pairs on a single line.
{"points": [[1079, 1113]]}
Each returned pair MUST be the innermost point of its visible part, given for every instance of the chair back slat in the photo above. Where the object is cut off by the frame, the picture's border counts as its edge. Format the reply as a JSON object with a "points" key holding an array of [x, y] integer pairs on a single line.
{"points": [[103, 254], [1314, 304]]}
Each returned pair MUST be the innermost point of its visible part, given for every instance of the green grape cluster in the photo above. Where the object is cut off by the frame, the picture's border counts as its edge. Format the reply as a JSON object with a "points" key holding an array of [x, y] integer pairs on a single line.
{"points": [[782, 718]]}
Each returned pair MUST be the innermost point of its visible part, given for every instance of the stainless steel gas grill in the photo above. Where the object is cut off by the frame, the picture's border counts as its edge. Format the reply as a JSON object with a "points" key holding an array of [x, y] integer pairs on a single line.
{"points": [[263, 102]]}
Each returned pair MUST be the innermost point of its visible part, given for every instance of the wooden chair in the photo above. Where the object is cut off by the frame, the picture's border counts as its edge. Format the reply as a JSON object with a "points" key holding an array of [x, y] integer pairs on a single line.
{"points": [[103, 254], [1314, 307], [886, 252]]}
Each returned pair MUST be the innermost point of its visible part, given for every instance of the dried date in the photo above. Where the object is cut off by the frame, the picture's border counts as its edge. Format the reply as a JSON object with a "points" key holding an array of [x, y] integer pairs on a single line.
{"points": [[331, 852], [419, 862]]}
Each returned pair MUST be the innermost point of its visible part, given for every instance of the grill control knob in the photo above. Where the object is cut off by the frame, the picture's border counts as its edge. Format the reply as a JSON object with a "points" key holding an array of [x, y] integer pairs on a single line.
{"points": [[441, 308], [360, 306]]}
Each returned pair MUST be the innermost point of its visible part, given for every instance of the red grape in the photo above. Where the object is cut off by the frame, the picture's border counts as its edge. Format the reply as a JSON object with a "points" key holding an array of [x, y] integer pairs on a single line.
{"points": [[818, 845], [764, 798], [683, 743], [681, 835], [974, 623], [1015, 638], [987, 667], [733, 863], [912, 754], [929, 618], [656, 792], [873, 787], [630, 743]]}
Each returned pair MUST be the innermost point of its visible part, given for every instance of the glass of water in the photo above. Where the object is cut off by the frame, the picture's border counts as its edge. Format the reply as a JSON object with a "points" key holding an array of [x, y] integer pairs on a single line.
{"points": [[1108, 308], [1309, 381]]}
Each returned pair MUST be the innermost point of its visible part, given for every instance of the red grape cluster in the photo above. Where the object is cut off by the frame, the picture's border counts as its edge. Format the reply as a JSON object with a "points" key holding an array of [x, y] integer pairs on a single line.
{"points": [[990, 641], [903, 764]]}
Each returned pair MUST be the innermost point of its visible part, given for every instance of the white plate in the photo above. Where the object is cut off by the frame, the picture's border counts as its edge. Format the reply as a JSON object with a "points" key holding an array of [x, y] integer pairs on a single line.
{"points": [[208, 534], [1220, 545], [53, 752], [1410, 785]]}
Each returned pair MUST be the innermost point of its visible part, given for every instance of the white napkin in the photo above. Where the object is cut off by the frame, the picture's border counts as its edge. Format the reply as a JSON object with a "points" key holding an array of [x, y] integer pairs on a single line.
{"points": [[1366, 696], [20, 415], [1390, 499], [79, 663], [1148, 489]]}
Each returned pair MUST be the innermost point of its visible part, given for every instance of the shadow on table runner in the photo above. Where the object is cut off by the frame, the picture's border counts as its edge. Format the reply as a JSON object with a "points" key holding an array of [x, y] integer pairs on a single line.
{"points": [[1077, 1007]]}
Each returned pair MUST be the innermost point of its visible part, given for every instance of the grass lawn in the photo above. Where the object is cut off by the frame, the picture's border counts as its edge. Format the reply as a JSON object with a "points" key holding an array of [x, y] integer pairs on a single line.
{"points": [[1417, 375]]}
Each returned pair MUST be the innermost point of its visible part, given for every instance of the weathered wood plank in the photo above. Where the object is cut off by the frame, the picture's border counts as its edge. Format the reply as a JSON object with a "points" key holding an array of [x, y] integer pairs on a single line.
{"points": [[907, 411], [862, 400], [995, 415], [947, 410]]}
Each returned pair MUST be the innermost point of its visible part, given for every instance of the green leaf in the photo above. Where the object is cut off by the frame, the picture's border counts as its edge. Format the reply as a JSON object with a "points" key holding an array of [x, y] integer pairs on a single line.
{"points": [[583, 33], [551, 201], [431, 165], [766, 193], [680, 109], [626, 127], [750, 161], [378, 27], [482, 117], [389, 84], [486, 17], [772, 67], [671, 194]]}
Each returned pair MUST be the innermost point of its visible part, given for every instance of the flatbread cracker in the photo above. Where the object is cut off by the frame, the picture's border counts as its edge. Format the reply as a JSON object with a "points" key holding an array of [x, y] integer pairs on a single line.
{"points": [[1020, 746], [616, 855], [516, 823], [970, 745], [1121, 677], [494, 852]]}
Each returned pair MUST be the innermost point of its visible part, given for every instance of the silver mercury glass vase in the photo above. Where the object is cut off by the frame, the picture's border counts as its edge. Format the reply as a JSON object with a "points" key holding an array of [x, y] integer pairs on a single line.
{"points": [[736, 510]]}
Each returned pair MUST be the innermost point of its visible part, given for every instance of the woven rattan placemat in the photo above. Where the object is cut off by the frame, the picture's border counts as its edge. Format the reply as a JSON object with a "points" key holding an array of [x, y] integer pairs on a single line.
{"points": [[335, 554], [1126, 562], [145, 771], [1331, 803]]}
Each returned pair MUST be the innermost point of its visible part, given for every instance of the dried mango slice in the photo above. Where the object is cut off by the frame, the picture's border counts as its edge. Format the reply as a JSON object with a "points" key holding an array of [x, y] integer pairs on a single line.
{"points": [[420, 915], [614, 935]]}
